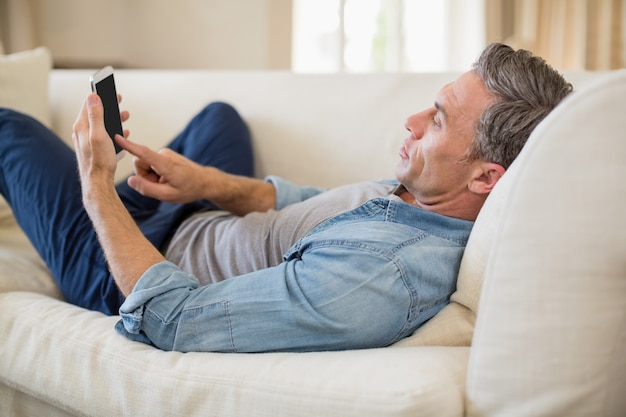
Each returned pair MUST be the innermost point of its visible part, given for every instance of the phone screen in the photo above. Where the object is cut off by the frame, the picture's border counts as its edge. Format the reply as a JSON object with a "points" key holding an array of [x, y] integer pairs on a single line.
{"points": [[112, 121]]}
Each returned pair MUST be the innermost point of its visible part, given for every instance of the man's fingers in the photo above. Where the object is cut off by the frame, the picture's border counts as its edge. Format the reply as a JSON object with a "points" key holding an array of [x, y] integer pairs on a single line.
{"points": [[149, 188], [145, 154]]}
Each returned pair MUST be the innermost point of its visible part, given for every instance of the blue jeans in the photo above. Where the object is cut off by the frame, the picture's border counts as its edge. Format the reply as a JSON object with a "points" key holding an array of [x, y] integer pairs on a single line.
{"points": [[39, 179]]}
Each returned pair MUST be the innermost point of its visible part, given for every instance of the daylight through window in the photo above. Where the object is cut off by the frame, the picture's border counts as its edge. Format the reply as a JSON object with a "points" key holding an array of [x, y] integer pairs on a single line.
{"points": [[386, 35]]}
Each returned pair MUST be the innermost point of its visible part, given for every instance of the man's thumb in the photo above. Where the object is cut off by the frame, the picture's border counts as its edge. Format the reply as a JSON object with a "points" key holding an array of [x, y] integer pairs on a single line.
{"points": [[94, 106]]}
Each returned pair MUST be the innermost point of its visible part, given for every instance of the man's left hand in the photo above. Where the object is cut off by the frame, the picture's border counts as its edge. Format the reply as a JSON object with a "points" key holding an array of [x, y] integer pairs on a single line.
{"points": [[94, 149]]}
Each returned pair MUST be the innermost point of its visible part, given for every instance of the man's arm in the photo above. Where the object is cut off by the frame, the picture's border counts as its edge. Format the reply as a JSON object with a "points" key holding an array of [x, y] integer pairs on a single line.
{"points": [[320, 303], [169, 176], [128, 253]]}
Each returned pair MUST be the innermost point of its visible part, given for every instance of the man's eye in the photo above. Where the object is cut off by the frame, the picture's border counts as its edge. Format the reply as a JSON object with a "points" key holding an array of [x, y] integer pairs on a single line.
{"points": [[436, 121]]}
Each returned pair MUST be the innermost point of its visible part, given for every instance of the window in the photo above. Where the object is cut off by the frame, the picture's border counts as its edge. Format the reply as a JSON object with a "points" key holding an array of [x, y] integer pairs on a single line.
{"points": [[387, 35]]}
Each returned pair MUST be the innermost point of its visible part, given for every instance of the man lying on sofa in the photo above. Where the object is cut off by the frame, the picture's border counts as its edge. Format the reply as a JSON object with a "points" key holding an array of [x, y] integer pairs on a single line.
{"points": [[196, 255]]}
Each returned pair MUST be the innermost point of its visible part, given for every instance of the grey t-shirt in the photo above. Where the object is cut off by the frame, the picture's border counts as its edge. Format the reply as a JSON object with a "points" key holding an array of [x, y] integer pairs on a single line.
{"points": [[216, 245]]}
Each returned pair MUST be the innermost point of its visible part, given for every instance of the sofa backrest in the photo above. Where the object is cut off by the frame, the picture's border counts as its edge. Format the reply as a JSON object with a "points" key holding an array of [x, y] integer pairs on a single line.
{"points": [[313, 129], [550, 334]]}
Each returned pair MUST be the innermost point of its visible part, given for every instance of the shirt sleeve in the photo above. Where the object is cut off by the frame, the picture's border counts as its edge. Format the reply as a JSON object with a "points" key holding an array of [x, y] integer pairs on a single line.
{"points": [[303, 304], [288, 193]]}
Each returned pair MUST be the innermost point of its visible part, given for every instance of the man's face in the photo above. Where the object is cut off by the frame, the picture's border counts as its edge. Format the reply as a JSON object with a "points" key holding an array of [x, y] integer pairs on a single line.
{"points": [[431, 163]]}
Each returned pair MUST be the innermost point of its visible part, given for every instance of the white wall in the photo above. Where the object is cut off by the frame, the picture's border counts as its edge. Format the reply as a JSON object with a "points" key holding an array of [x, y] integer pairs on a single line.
{"points": [[219, 34]]}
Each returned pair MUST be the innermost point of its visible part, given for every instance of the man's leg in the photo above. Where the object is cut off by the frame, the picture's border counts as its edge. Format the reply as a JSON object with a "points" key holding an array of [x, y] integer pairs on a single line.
{"points": [[217, 136], [39, 179]]}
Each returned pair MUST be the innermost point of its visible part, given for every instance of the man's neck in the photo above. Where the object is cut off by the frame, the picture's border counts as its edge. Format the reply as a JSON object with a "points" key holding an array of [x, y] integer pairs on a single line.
{"points": [[460, 210]]}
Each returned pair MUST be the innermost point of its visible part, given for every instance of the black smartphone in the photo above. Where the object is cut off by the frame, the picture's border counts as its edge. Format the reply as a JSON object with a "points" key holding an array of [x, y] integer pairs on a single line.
{"points": [[103, 83]]}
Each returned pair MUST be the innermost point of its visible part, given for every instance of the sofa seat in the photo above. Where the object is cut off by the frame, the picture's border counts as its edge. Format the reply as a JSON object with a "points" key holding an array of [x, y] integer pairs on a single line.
{"points": [[129, 377]]}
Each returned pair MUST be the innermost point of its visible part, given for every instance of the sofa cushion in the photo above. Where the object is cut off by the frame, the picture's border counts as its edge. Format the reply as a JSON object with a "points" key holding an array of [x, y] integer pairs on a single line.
{"points": [[24, 87], [21, 268], [88, 369], [551, 330], [24, 82]]}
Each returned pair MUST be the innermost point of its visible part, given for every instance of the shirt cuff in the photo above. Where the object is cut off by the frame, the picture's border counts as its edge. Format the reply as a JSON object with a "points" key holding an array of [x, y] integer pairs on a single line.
{"points": [[288, 193], [157, 280]]}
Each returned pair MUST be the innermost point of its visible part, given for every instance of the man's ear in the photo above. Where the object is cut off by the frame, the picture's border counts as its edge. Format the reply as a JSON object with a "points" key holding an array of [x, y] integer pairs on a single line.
{"points": [[486, 176]]}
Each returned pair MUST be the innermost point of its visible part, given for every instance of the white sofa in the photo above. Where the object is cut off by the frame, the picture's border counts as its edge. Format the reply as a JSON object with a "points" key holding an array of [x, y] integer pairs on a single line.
{"points": [[542, 282]]}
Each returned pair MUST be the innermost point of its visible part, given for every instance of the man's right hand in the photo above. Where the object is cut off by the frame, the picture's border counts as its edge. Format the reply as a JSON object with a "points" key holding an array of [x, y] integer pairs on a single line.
{"points": [[169, 176], [164, 175]]}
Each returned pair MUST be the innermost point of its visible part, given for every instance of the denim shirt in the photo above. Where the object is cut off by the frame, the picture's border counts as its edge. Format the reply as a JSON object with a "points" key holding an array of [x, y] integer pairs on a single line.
{"points": [[363, 279]]}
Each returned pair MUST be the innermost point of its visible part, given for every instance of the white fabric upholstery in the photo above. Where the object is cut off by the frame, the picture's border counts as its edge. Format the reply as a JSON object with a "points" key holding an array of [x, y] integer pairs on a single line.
{"points": [[111, 376], [21, 269], [317, 130], [551, 331], [24, 82], [24, 87]]}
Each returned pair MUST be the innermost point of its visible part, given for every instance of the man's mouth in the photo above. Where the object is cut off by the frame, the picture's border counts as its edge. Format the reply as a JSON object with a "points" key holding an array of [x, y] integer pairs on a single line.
{"points": [[403, 152]]}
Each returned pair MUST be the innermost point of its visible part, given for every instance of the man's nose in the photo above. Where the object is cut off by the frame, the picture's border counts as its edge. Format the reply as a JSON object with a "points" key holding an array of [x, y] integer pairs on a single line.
{"points": [[414, 124]]}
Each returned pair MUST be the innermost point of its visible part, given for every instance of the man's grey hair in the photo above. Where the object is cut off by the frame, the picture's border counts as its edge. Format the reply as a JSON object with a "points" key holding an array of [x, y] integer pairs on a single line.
{"points": [[525, 88]]}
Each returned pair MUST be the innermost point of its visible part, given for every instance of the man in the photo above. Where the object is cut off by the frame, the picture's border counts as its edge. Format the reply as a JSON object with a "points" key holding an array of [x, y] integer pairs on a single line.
{"points": [[210, 259]]}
